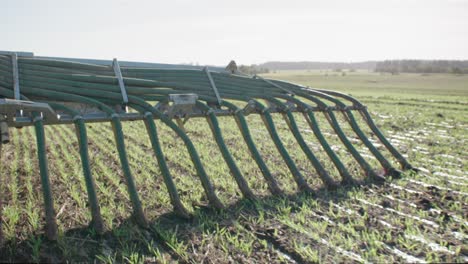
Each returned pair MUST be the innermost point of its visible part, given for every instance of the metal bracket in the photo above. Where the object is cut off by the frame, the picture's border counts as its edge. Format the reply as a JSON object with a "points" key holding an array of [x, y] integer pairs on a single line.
{"points": [[118, 75], [272, 107], [182, 104], [290, 105], [9, 108], [181, 123], [213, 86], [251, 107]]}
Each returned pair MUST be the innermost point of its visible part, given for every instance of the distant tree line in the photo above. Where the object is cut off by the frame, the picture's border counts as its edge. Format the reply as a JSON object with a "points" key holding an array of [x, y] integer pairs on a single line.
{"points": [[253, 69], [422, 66], [390, 66], [317, 65]]}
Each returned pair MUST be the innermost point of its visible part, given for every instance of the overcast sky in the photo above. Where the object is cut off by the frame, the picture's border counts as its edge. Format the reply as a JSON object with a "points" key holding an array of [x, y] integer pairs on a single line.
{"points": [[248, 31]]}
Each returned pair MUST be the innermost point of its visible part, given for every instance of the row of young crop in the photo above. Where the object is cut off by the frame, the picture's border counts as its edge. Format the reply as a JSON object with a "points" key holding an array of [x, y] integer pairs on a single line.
{"points": [[313, 224]]}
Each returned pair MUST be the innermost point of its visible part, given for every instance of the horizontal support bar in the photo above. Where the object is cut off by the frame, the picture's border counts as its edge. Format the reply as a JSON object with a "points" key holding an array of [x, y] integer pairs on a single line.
{"points": [[9, 108], [103, 117]]}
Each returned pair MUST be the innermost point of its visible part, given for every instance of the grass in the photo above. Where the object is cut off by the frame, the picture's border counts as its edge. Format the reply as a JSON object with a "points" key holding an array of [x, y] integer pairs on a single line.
{"points": [[421, 217]]}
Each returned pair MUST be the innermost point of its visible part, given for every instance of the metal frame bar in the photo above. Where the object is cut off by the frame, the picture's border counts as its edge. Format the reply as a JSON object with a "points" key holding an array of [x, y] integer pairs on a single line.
{"points": [[51, 118], [10, 108], [213, 85], [16, 87], [118, 75]]}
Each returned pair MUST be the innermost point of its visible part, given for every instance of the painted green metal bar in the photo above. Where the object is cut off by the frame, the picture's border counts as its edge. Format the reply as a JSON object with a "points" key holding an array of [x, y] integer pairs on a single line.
{"points": [[174, 196], [106, 94], [244, 128], [268, 120], [289, 117], [313, 124], [295, 172], [214, 201], [51, 223], [290, 120], [50, 216], [118, 135], [403, 162], [82, 136], [96, 85], [130, 181], [347, 112], [370, 122], [389, 170], [328, 112], [345, 175], [97, 221], [217, 134], [206, 183]]}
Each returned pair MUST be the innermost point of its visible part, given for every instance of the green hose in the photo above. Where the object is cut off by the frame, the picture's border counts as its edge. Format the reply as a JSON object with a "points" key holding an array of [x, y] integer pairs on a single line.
{"points": [[174, 196], [217, 134], [341, 135], [313, 124], [119, 138], [51, 223], [244, 128], [290, 120], [268, 120], [80, 128]]}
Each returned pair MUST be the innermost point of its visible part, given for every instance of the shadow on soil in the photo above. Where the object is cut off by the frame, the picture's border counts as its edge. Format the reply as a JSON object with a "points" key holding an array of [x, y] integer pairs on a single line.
{"points": [[118, 244]]}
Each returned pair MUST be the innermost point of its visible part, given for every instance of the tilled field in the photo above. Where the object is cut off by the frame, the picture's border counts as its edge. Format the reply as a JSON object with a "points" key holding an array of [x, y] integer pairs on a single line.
{"points": [[418, 218]]}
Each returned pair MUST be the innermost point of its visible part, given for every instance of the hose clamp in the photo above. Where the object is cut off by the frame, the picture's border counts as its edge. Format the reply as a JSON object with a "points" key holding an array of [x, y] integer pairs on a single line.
{"points": [[37, 118], [209, 111], [78, 117]]}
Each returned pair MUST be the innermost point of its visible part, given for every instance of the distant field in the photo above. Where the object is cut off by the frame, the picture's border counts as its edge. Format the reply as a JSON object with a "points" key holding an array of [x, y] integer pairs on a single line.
{"points": [[371, 84], [421, 217]]}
